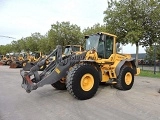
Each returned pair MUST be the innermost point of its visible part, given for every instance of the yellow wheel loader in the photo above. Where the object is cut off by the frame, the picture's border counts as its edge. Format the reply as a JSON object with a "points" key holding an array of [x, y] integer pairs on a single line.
{"points": [[82, 73], [6, 59], [32, 60], [3, 60], [68, 50], [18, 61]]}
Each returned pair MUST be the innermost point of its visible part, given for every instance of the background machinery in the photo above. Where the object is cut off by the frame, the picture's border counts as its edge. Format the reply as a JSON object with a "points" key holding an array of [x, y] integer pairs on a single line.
{"points": [[82, 73], [33, 58], [68, 50], [6, 59], [19, 59], [3, 60]]}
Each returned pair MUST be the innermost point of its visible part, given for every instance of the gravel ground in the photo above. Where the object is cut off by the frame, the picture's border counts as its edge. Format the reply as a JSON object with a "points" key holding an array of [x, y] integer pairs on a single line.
{"points": [[142, 102]]}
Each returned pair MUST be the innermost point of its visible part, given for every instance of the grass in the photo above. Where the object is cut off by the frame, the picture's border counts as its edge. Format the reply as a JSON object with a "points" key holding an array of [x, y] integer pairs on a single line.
{"points": [[147, 73]]}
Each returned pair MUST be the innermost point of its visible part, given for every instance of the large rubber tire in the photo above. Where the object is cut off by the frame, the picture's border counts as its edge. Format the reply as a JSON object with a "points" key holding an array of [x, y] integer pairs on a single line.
{"points": [[125, 79], [59, 85], [82, 81], [159, 91]]}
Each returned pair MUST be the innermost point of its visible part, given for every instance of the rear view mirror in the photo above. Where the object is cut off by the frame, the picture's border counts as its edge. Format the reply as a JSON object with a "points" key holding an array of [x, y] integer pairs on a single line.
{"points": [[118, 48], [117, 45]]}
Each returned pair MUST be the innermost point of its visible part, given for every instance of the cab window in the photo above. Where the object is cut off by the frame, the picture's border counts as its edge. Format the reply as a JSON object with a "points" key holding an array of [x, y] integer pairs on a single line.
{"points": [[108, 46]]}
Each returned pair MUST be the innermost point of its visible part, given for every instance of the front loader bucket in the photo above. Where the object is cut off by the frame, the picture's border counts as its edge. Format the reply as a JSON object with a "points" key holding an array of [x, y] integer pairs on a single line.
{"points": [[28, 66]]}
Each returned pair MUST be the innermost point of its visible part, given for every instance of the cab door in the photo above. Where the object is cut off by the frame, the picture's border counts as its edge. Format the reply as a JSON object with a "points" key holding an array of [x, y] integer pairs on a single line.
{"points": [[105, 46], [109, 40]]}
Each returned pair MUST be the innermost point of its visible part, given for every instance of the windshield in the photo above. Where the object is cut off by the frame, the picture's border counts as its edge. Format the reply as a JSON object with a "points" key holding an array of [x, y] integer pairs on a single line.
{"points": [[67, 51], [75, 48], [36, 55], [92, 42]]}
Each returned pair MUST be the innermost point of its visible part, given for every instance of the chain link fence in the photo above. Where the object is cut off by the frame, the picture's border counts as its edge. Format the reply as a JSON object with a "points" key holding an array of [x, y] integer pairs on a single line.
{"points": [[149, 65]]}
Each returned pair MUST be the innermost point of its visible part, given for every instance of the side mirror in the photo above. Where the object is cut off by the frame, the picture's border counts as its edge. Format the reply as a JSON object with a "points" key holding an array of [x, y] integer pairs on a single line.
{"points": [[118, 48], [117, 45], [86, 36]]}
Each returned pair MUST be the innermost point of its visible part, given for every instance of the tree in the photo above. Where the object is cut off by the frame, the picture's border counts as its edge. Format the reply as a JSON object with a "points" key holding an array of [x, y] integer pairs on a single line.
{"points": [[63, 34], [151, 23], [94, 29], [43, 45], [15, 46], [31, 44], [150, 52], [4, 49], [22, 44], [127, 19], [33, 41]]}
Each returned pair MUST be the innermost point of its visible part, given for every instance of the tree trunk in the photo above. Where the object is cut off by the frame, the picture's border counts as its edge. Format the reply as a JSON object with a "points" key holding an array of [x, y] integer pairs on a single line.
{"points": [[137, 50]]}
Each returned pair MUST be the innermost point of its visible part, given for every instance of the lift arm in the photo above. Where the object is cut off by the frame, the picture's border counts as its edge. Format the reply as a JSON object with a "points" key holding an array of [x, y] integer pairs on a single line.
{"points": [[31, 84]]}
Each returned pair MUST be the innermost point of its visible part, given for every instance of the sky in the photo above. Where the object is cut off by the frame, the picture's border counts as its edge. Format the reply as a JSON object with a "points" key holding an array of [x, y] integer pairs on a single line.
{"points": [[21, 18]]}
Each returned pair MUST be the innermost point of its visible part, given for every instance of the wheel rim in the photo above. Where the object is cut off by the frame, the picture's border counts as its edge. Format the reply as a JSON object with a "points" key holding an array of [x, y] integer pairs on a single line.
{"points": [[128, 78], [87, 82]]}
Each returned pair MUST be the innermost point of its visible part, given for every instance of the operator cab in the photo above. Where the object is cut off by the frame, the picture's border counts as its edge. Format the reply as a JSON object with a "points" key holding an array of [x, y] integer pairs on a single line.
{"points": [[103, 43], [69, 49], [36, 55]]}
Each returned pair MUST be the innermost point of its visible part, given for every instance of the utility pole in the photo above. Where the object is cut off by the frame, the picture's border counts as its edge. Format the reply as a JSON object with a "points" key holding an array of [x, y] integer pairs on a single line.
{"points": [[155, 58]]}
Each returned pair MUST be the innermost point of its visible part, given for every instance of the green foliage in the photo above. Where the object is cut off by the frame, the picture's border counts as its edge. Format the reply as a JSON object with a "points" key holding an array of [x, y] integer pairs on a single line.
{"points": [[134, 21], [94, 29], [15, 46], [22, 44], [151, 22], [129, 20], [150, 51], [33, 41], [43, 45], [64, 34], [5, 49]]}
